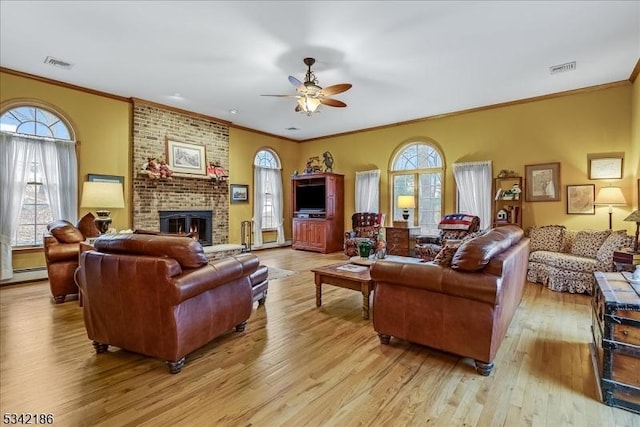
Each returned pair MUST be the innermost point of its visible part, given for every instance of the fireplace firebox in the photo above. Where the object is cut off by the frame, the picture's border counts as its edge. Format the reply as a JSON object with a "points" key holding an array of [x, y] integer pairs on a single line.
{"points": [[192, 221]]}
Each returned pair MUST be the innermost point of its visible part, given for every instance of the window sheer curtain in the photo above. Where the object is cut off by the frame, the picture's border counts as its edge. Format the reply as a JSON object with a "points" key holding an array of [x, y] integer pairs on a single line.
{"points": [[473, 180], [267, 179], [367, 197], [60, 182]]}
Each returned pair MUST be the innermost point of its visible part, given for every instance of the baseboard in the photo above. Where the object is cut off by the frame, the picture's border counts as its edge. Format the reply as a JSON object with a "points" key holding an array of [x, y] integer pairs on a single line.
{"points": [[26, 275]]}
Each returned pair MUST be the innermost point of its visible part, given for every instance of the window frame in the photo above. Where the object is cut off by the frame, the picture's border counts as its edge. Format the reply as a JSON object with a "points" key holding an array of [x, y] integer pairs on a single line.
{"points": [[416, 173], [275, 164]]}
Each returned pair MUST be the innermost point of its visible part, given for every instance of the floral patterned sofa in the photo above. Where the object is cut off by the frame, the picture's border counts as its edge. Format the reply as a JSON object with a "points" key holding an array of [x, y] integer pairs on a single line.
{"points": [[565, 260]]}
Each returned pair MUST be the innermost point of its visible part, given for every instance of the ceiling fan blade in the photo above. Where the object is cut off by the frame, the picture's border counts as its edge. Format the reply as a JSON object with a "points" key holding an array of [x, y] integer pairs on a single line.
{"points": [[332, 90], [332, 102], [295, 82], [284, 96]]}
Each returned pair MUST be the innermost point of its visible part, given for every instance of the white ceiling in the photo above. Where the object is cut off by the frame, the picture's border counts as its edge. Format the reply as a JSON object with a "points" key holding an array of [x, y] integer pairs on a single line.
{"points": [[406, 60]]}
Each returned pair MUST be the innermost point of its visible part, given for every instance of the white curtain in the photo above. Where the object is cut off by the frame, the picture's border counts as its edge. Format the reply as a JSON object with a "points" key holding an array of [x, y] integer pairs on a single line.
{"points": [[58, 160], [275, 179], [473, 180], [259, 181], [60, 178], [367, 196]]}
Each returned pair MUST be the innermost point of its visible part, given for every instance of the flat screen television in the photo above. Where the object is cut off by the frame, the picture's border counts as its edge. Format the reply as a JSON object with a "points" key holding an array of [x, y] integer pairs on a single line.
{"points": [[310, 198]]}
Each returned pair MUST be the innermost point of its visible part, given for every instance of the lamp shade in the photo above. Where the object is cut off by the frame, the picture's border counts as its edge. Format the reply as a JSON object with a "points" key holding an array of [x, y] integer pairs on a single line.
{"points": [[634, 216], [102, 195], [611, 196], [406, 202]]}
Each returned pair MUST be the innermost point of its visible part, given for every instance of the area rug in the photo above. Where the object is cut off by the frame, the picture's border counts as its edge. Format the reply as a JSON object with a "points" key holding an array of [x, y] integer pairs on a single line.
{"points": [[278, 273]]}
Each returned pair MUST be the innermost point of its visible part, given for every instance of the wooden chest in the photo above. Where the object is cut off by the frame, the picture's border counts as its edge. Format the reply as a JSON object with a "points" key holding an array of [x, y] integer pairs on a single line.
{"points": [[616, 340]]}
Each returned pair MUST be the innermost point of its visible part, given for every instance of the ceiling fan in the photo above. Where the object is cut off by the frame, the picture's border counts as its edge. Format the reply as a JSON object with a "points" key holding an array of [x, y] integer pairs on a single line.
{"points": [[310, 95]]}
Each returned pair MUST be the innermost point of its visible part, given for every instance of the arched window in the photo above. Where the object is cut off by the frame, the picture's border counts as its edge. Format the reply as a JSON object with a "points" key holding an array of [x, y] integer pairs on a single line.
{"points": [[268, 198], [38, 173], [417, 170]]}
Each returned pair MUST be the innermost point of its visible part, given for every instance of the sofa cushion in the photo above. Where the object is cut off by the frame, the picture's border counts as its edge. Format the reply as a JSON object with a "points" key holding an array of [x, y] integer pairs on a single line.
{"points": [[446, 254], [65, 232], [564, 261], [87, 226], [588, 242], [475, 254], [186, 251], [547, 238], [615, 241]]}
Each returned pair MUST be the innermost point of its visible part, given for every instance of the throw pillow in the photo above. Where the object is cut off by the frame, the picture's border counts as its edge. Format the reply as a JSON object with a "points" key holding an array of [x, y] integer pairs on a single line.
{"points": [[547, 238], [588, 242], [445, 255], [616, 240], [65, 232], [87, 226]]}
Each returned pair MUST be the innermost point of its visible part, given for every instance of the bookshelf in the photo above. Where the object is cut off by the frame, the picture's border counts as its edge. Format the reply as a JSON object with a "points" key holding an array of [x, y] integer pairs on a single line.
{"points": [[507, 204]]}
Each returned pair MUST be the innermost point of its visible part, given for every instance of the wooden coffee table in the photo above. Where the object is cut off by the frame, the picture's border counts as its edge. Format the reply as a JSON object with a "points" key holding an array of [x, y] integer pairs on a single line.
{"points": [[334, 274], [358, 281]]}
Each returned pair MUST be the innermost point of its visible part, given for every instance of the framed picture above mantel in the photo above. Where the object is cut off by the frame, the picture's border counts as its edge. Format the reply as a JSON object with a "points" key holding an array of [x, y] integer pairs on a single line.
{"points": [[186, 158]]}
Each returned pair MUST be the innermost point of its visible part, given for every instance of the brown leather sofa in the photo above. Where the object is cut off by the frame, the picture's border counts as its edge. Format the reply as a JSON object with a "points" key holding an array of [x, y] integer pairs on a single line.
{"points": [[61, 251], [160, 296], [464, 308]]}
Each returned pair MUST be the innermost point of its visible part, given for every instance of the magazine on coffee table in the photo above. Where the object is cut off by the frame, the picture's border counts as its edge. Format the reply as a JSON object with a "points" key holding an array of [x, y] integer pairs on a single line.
{"points": [[352, 268]]}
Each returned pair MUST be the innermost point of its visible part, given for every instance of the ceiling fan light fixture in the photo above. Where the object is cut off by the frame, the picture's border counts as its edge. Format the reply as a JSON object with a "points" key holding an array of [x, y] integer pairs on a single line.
{"points": [[308, 105]]}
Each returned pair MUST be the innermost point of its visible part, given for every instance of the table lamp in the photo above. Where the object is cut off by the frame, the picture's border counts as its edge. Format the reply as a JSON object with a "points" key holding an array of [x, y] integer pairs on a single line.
{"points": [[104, 196], [610, 196], [405, 203], [635, 217]]}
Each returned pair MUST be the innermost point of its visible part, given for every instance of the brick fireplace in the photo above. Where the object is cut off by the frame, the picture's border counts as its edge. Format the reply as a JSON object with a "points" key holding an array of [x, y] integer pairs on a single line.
{"points": [[152, 125]]}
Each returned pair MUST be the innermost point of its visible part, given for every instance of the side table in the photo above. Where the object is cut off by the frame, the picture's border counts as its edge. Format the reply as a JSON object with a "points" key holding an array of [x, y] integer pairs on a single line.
{"points": [[625, 259]]}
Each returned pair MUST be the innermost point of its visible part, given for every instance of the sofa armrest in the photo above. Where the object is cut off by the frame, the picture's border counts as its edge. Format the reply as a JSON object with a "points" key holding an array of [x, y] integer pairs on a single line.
{"points": [[196, 281]]}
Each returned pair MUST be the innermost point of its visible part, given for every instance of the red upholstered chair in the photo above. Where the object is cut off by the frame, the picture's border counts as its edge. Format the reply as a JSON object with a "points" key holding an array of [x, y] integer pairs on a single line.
{"points": [[452, 227], [364, 226]]}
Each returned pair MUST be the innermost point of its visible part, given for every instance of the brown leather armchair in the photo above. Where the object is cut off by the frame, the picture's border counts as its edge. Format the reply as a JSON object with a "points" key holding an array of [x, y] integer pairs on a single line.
{"points": [[160, 296], [61, 250]]}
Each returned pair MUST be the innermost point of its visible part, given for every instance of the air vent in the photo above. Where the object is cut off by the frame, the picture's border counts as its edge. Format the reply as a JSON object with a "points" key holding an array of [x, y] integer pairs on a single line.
{"points": [[563, 68], [57, 63], [293, 129]]}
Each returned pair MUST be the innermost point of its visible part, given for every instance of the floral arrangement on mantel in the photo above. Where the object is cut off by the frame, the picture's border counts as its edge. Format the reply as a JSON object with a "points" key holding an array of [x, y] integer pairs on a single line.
{"points": [[216, 172], [157, 168]]}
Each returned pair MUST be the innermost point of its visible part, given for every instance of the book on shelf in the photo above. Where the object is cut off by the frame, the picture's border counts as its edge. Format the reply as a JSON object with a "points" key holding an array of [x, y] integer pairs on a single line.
{"points": [[499, 194]]}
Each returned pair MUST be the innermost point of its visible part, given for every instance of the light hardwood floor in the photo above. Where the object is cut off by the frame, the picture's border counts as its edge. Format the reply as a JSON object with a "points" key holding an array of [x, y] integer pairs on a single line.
{"points": [[297, 365]]}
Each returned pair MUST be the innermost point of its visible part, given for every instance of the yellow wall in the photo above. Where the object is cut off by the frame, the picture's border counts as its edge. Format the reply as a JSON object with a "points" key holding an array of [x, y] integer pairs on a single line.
{"points": [[102, 127], [562, 129], [635, 138], [243, 147]]}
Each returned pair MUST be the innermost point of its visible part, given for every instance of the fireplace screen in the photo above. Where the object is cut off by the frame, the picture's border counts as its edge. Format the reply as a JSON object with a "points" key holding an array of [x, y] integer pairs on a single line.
{"points": [[198, 222]]}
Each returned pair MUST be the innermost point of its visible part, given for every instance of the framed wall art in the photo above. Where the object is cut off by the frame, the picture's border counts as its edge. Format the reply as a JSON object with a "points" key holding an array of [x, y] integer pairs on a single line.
{"points": [[239, 193], [605, 165], [186, 158], [581, 199], [92, 177], [542, 182]]}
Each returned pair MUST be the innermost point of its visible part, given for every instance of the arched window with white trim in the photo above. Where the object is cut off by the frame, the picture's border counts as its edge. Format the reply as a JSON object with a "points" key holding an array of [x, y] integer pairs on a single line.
{"points": [[268, 198], [38, 176], [417, 170]]}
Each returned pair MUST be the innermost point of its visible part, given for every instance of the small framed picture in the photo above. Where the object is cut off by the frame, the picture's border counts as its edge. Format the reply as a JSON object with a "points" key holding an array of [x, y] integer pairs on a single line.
{"points": [[92, 177], [581, 199], [186, 158], [239, 193], [605, 165], [542, 182]]}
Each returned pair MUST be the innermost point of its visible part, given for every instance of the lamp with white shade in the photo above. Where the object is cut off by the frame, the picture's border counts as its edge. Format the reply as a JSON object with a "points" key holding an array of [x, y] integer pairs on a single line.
{"points": [[103, 196], [405, 203], [610, 196], [635, 217]]}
